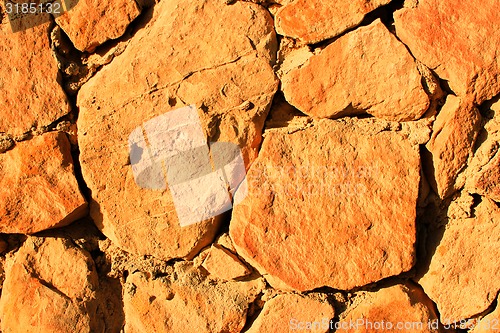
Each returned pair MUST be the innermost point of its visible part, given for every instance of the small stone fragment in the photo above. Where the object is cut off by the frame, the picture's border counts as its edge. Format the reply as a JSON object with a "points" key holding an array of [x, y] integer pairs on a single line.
{"points": [[452, 142], [463, 277], [38, 188], [30, 93], [403, 308], [483, 172], [90, 23], [290, 312], [187, 299], [365, 71], [224, 265], [489, 323]]}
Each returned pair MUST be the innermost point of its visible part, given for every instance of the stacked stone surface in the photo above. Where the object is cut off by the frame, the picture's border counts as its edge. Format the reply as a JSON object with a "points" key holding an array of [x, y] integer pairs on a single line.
{"points": [[339, 159]]}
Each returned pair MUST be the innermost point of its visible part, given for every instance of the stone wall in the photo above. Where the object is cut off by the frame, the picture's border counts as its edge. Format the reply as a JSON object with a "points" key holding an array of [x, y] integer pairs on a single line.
{"points": [[249, 166]]}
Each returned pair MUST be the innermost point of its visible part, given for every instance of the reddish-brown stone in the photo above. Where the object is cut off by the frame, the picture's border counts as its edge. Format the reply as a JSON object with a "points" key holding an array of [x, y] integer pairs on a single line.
{"points": [[30, 93], [315, 20], [365, 71], [458, 40], [331, 205], [38, 188]]}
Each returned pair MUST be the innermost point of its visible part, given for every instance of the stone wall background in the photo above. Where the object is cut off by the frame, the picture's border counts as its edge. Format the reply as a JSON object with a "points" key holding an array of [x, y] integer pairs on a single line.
{"points": [[370, 133]]}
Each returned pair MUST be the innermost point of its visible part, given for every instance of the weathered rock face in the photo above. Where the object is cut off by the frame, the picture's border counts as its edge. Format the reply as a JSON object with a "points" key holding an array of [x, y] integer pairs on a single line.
{"points": [[454, 133], [38, 188], [402, 307], [30, 95], [168, 305], [90, 23], [365, 71], [314, 21], [48, 288], [227, 77], [483, 173], [308, 202], [289, 312], [344, 179], [447, 38], [462, 278]]}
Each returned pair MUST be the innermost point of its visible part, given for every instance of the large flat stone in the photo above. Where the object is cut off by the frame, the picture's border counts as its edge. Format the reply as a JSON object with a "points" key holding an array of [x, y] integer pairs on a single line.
{"points": [[90, 23], [170, 63], [331, 205]]}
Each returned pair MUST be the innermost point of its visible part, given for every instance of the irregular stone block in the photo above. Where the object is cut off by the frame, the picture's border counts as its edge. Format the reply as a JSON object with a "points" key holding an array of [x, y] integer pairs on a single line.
{"points": [[453, 135], [365, 71], [187, 299], [290, 312], [228, 77], [331, 205], [463, 278], [316, 20], [38, 188], [91, 23], [403, 308], [458, 40], [30, 93]]}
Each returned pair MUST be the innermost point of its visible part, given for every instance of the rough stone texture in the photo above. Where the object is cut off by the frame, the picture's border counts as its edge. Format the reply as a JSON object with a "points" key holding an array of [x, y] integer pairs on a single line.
{"points": [[289, 312], [49, 286], [316, 20], [187, 300], [396, 305], [483, 173], [30, 95], [489, 323], [463, 278], [330, 192], [459, 41], [228, 77], [453, 135], [224, 265], [90, 23], [365, 71], [38, 188]]}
